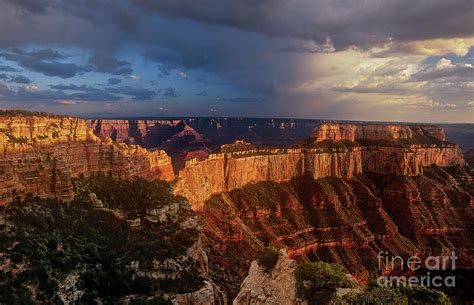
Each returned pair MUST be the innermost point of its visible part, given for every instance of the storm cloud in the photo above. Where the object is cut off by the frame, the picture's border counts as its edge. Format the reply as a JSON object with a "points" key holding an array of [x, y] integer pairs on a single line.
{"points": [[43, 61], [344, 22], [263, 57]]}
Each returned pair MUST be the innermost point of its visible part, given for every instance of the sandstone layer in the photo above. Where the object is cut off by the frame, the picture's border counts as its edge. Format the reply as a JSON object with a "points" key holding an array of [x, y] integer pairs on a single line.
{"points": [[40, 155], [375, 132], [148, 133], [199, 180], [221, 172]]}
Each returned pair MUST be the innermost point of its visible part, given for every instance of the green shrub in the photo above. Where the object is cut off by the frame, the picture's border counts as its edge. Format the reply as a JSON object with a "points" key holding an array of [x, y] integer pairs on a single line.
{"points": [[317, 282], [54, 240], [425, 295], [268, 258], [378, 296], [398, 296], [16, 140], [25, 113]]}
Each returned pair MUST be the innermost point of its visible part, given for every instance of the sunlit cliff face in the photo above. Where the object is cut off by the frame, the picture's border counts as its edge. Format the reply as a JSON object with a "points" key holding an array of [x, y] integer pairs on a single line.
{"points": [[377, 60]]}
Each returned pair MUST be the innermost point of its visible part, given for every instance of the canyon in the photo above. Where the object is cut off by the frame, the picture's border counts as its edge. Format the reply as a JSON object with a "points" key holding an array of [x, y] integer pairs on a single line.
{"points": [[338, 192], [40, 155]]}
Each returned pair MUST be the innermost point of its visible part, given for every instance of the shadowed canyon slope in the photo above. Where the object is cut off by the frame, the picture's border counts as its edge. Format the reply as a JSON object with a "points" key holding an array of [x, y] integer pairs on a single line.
{"points": [[348, 221]]}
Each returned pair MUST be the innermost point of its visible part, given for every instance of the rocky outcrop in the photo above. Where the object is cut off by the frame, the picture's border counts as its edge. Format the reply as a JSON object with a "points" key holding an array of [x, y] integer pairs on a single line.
{"points": [[222, 172], [409, 160], [469, 157], [210, 293], [375, 132], [147, 133], [276, 286], [40, 155]]}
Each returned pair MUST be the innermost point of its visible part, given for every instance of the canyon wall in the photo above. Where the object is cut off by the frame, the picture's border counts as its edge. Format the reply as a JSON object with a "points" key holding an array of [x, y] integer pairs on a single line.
{"points": [[222, 172], [198, 180], [274, 131], [344, 221], [219, 131], [375, 132], [40, 155], [409, 161], [148, 133]]}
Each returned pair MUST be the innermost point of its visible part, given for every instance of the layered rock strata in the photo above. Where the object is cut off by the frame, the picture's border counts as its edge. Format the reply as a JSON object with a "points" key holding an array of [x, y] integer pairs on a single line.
{"points": [[40, 155], [409, 160], [147, 133], [344, 221], [199, 180], [223, 172], [375, 132]]}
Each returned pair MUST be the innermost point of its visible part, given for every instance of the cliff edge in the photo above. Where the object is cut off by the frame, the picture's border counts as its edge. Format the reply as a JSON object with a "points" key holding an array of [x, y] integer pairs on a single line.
{"points": [[40, 155]]}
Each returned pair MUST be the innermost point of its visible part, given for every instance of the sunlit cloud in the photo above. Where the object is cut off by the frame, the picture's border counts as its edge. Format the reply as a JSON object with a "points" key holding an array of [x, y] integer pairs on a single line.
{"points": [[31, 88]]}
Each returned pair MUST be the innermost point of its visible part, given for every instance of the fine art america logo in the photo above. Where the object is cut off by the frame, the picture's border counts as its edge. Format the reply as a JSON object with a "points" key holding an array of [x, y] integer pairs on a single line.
{"points": [[413, 264]]}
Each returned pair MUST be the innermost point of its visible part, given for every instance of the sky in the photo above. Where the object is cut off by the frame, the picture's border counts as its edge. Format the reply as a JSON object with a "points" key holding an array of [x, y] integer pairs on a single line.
{"points": [[389, 60]]}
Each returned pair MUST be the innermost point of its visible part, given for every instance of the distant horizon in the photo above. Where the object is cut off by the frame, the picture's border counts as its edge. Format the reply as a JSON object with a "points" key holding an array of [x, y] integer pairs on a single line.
{"points": [[179, 117]]}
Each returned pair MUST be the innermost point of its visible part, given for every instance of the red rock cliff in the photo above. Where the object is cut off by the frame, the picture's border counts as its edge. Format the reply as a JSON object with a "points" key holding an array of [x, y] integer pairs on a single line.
{"points": [[345, 221], [130, 131], [374, 132], [40, 155], [409, 161], [229, 171], [199, 180]]}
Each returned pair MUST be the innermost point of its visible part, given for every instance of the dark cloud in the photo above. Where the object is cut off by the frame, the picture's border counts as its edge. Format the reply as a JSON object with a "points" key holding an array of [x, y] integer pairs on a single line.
{"points": [[113, 81], [3, 76], [8, 69], [95, 95], [27, 93], [138, 94], [168, 59], [119, 12], [43, 54], [32, 6], [106, 63], [241, 99], [20, 79], [458, 72], [345, 23], [170, 92], [32, 93], [73, 87], [202, 93], [86, 93], [42, 61], [63, 70]]}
